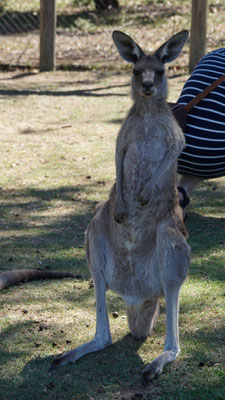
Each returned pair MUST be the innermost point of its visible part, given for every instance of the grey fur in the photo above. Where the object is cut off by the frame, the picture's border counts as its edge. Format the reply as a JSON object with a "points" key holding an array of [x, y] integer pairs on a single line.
{"points": [[9, 278], [136, 242]]}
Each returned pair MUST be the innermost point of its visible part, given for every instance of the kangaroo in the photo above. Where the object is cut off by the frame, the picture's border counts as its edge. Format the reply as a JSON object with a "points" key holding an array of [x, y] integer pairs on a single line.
{"points": [[136, 242]]}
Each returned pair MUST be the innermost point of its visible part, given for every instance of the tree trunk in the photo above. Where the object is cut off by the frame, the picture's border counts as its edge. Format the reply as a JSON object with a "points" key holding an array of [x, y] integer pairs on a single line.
{"points": [[198, 31]]}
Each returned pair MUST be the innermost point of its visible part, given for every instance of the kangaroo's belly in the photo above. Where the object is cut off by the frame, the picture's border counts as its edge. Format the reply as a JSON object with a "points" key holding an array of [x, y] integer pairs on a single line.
{"points": [[133, 271], [135, 280]]}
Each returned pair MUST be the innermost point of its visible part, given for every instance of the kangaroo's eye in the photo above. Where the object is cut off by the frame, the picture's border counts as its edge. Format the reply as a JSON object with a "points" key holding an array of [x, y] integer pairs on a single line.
{"points": [[136, 72], [160, 72]]}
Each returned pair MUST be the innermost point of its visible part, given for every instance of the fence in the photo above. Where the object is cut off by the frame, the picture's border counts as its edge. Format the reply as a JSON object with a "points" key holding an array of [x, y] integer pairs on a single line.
{"points": [[20, 31], [82, 35]]}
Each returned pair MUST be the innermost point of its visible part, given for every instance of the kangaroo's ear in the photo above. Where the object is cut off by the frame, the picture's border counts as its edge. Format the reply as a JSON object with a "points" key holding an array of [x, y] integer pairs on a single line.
{"points": [[128, 49], [172, 48]]}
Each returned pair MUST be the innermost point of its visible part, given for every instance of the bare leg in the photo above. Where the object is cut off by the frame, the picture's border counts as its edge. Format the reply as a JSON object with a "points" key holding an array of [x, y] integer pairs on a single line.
{"points": [[142, 319], [188, 183]]}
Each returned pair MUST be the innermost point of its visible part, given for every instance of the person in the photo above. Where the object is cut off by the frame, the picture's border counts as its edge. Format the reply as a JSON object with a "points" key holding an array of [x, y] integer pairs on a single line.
{"points": [[204, 154]]}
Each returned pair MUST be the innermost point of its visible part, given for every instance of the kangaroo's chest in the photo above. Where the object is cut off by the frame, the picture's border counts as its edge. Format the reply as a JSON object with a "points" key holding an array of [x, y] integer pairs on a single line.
{"points": [[145, 151]]}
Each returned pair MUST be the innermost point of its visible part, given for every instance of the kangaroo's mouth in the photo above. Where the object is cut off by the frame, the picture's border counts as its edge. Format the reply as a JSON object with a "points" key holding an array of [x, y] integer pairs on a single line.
{"points": [[147, 92]]}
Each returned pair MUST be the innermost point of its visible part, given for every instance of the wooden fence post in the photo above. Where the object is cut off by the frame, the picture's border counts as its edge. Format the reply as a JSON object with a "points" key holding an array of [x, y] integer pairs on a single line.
{"points": [[47, 34], [198, 31]]}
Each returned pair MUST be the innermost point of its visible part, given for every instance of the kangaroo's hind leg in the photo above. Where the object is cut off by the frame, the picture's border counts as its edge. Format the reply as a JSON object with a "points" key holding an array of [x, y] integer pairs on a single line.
{"points": [[142, 318], [174, 262], [96, 257]]}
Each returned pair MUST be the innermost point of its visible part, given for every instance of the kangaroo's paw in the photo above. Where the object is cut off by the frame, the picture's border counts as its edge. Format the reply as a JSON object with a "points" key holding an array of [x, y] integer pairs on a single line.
{"points": [[90, 347], [63, 359], [154, 369], [144, 197], [151, 371], [119, 214]]}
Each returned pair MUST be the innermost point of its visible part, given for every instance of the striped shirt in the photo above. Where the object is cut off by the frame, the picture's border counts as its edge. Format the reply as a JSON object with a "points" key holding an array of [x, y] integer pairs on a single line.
{"points": [[204, 154]]}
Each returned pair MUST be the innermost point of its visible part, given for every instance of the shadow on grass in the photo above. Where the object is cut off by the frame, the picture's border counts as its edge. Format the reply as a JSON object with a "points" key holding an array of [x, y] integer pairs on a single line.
{"points": [[47, 242], [114, 370], [39, 238], [206, 236], [206, 231], [115, 121], [81, 92], [109, 369]]}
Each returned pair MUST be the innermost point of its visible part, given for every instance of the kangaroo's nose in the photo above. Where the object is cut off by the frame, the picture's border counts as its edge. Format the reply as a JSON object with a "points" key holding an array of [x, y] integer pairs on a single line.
{"points": [[147, 86]]}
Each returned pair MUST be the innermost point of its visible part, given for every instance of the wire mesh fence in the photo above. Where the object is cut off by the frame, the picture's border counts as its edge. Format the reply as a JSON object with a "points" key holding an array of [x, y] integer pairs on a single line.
{"points": [[82, 33], [20, 31]]}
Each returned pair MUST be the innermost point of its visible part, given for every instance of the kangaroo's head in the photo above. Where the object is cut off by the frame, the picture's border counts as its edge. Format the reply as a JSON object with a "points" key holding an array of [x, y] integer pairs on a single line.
{"points": [[149, 77]]}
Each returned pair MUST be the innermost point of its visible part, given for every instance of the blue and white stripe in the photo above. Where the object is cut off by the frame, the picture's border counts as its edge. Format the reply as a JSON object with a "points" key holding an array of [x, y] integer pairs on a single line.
{"points": [[204, 154]]}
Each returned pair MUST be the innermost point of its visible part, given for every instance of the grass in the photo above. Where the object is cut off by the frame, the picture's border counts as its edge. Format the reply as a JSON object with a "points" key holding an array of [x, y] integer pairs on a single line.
{"points": [[58, 134]]}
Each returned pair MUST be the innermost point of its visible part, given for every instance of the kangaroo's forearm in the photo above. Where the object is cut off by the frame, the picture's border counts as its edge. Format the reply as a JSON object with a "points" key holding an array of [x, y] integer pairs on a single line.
{"points": [[119, 176], [165, 164]]}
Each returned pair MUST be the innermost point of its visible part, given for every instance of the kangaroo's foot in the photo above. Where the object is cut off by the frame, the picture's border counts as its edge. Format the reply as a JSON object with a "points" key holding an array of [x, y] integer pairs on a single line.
{"points": [[154, 369]]}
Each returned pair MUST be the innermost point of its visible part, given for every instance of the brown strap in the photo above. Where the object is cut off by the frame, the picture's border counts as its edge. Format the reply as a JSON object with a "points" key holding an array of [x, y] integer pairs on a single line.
{"points": [[204, 93]]}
